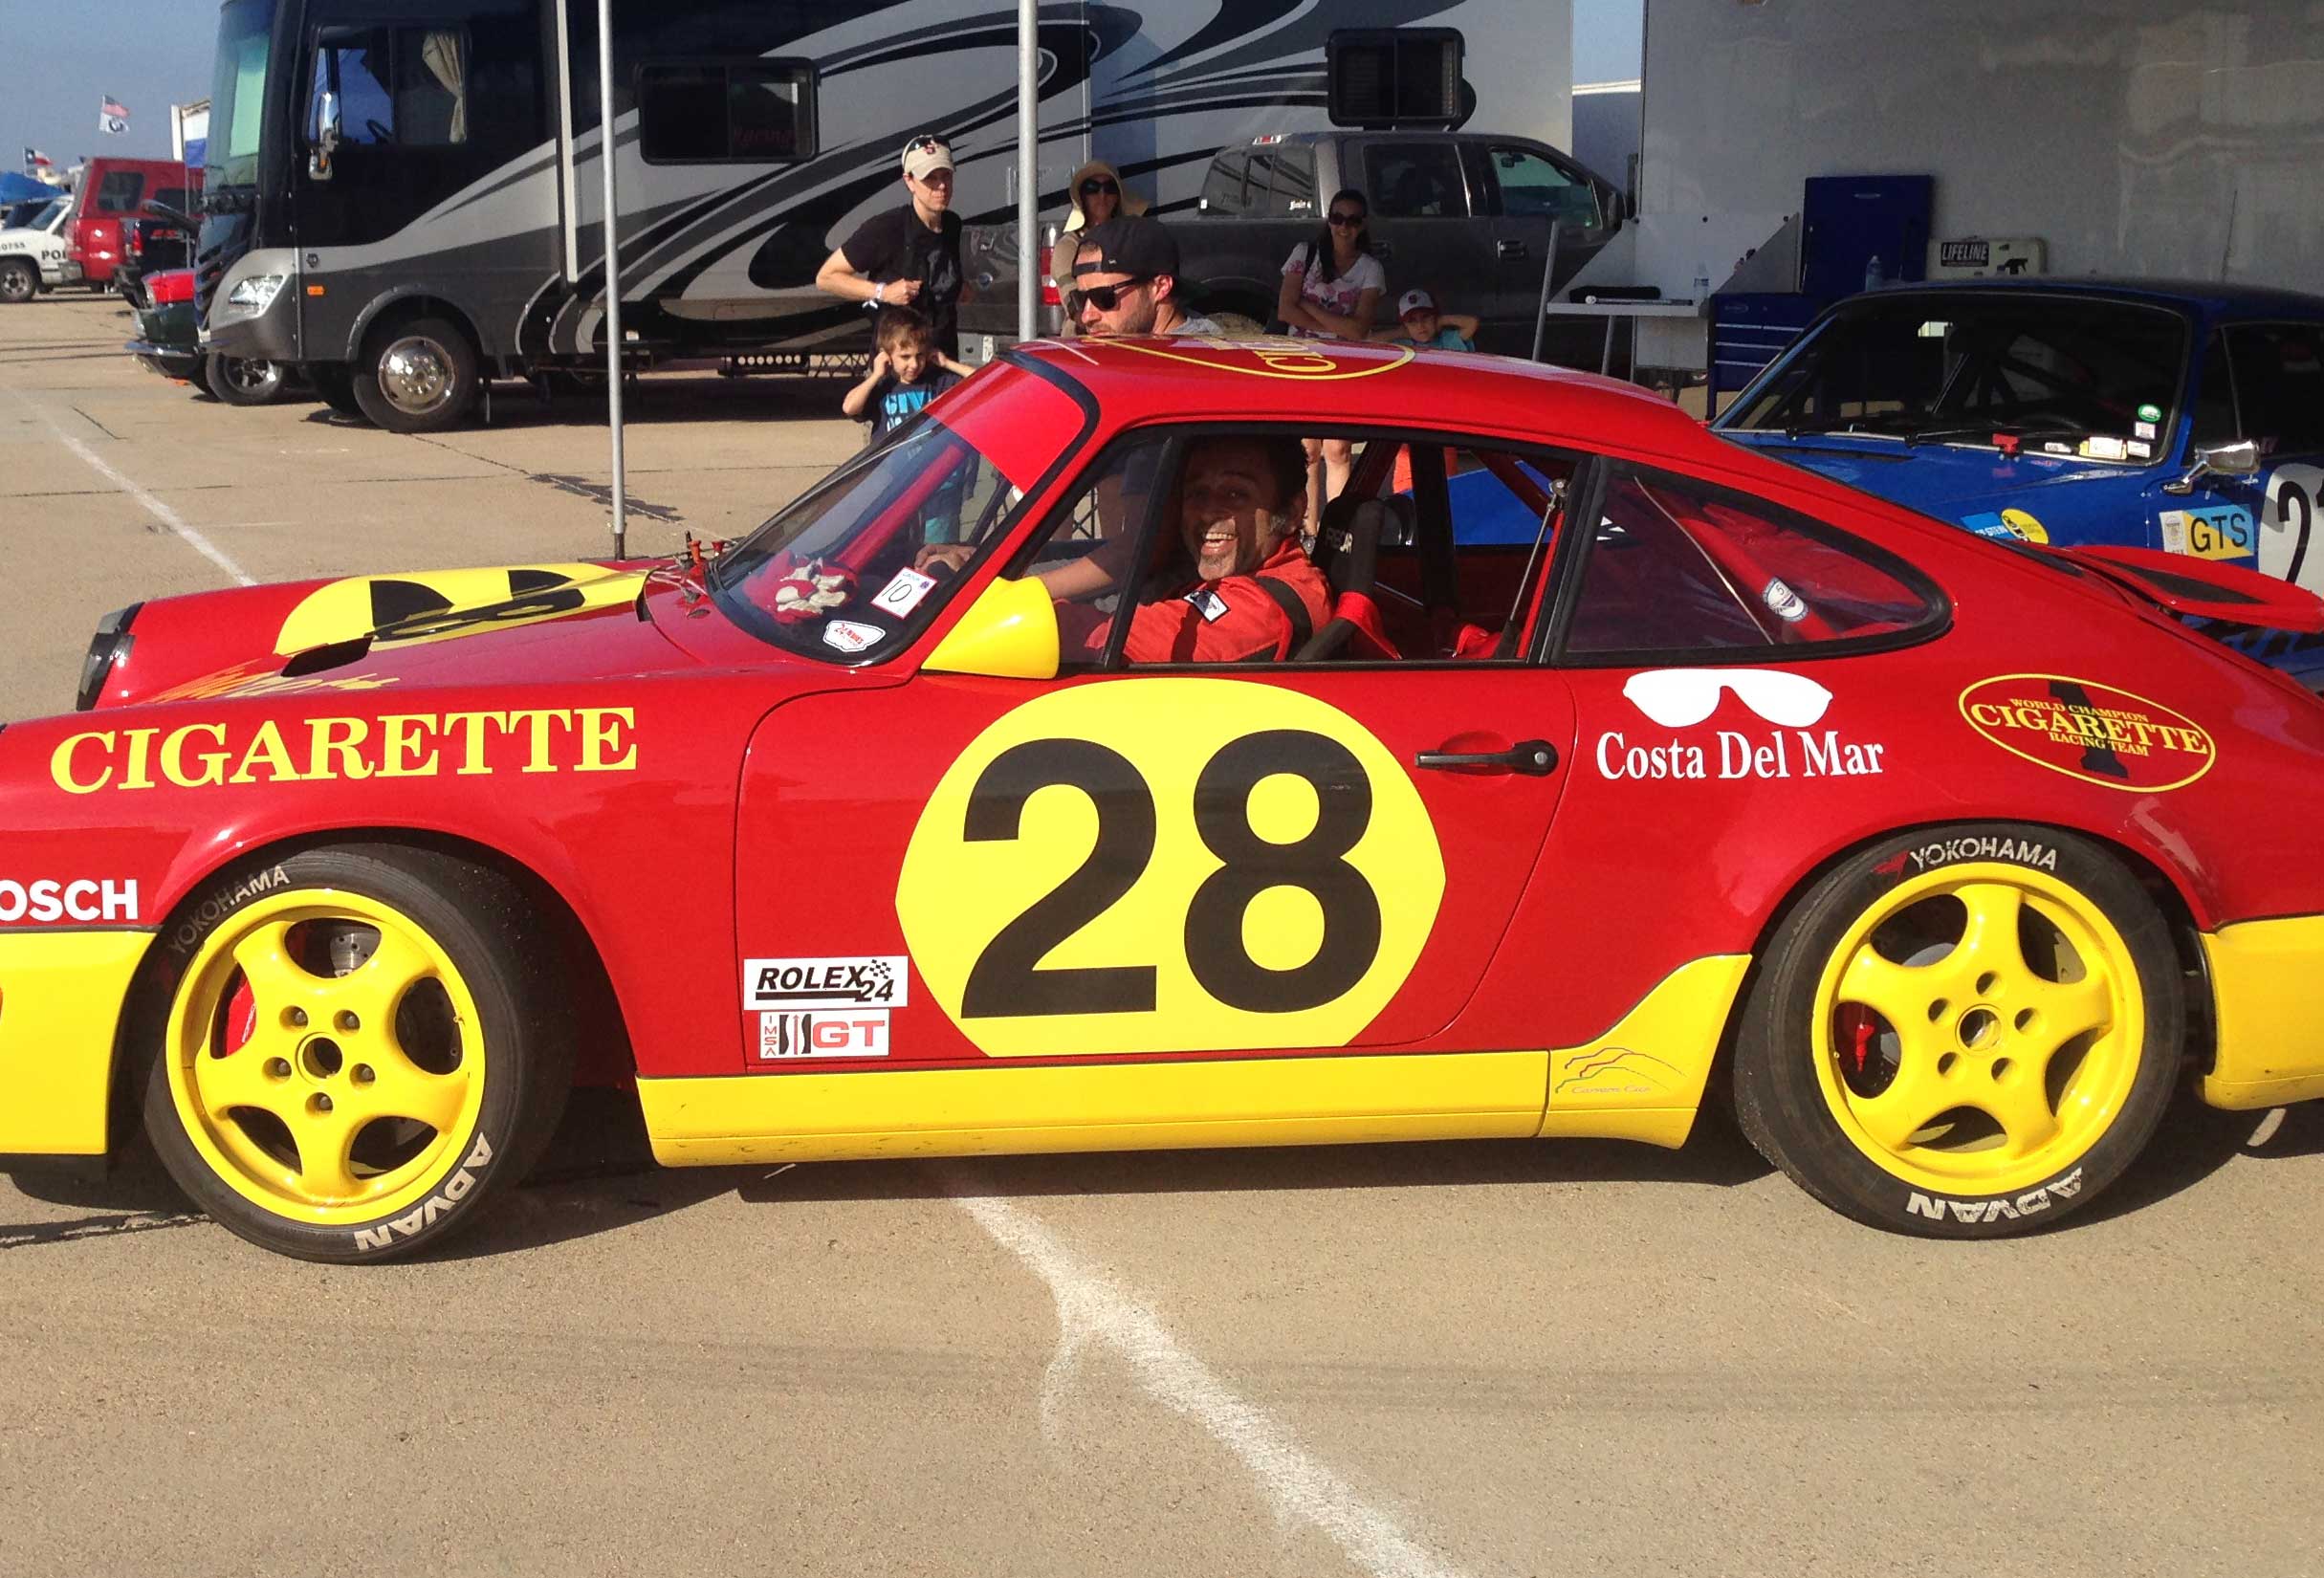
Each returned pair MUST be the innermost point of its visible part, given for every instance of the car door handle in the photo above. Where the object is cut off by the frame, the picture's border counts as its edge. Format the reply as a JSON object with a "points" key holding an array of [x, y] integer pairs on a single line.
{"points": [[1511, 249], [1382, 248], [1533, 758]]}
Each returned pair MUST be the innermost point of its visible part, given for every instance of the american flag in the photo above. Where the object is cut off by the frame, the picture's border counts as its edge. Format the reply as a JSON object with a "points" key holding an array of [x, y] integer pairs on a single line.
{"points": [[112, 116]]}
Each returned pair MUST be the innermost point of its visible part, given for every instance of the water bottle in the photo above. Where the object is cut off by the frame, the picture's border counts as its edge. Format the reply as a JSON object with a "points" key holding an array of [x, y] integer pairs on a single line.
{"points": [[1875, 273]]}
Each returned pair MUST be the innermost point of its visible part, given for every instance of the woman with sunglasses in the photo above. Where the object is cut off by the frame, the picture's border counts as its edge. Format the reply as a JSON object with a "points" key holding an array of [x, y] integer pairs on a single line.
{"points": [[1332, 290], [1096, 194]]}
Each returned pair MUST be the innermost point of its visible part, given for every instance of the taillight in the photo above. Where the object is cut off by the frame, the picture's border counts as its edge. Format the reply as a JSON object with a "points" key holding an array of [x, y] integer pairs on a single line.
{"points": [[1048, 286], [169, 286]]}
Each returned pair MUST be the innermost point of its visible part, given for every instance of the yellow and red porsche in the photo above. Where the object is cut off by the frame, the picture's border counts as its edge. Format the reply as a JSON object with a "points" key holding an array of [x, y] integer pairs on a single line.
{"points": [[1626, 768]]}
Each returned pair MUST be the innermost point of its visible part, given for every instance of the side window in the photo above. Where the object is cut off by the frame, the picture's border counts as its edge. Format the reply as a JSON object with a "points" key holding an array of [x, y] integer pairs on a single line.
{"points": [[1083, 554], [398, 87], [1533, 187], [173, 197], [2215, 420], [2279, 385], [1291, 193], [1678, 569], [1415, 181], [121, 191], [750, 112], [1223, 187]]}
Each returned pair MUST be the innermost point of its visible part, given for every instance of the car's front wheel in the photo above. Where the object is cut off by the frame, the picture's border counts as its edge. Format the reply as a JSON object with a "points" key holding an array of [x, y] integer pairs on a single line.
{"points": [[241, 381], [352, 1054], [19, 280], [1965, 1032]]}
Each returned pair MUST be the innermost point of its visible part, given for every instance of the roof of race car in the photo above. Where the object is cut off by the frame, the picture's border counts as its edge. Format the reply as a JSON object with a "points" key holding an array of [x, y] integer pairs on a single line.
{"points": [[1337, 379]]}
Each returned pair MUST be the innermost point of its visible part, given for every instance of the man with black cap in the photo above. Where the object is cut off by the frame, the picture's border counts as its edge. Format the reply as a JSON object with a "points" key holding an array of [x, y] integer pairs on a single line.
{"points": [[1126, 282], [909, 256]]}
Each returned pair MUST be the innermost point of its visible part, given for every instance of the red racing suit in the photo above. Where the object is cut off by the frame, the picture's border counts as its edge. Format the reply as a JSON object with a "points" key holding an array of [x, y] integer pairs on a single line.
{"points": [[1235, 619]]}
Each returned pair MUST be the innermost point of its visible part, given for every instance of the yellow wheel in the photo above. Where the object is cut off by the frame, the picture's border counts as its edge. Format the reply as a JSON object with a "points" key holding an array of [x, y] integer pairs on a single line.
{"points": [[351, 1057], [1963, 1032]]}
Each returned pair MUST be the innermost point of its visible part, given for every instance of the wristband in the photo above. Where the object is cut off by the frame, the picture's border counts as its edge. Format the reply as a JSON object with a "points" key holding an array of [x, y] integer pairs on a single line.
{"points": [[879, 293]]}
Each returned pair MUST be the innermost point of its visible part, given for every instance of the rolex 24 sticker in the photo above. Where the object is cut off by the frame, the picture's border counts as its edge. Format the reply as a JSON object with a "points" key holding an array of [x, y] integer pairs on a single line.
{"points": [[834, 983], [1170, 866]]}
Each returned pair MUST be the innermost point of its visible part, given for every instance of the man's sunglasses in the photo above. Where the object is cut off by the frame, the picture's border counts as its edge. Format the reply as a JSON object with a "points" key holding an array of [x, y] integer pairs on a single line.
{"points": [[1096, 184], [1345, 221], [1103, 298]]}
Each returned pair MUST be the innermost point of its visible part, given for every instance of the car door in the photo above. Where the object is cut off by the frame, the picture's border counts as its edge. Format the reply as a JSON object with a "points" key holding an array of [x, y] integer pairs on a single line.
{"points": [[1153, 864], [2275, 386], [1523, 188], [1421, 226]]}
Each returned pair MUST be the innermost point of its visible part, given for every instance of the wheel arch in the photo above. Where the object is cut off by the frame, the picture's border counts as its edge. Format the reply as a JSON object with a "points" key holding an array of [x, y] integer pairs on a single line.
{"points": [[605, 1055], [407, 302], [2168, 893]]}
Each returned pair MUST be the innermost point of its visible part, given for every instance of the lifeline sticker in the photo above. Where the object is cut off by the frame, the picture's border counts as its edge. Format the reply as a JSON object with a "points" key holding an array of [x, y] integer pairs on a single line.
{"points": [[2105, 446], [783, 1036], [850, 637], [2089, 731], [2223, 530], [861, 982], [905, 592]]}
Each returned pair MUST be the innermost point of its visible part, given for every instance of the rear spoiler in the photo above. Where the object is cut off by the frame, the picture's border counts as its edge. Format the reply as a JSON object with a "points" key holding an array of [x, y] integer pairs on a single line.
{"points": [[2200, 589]]}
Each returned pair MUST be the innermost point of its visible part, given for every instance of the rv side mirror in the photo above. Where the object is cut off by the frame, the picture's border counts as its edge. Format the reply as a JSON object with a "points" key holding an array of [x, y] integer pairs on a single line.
{"points": [[326, 137], [2238, 459]]}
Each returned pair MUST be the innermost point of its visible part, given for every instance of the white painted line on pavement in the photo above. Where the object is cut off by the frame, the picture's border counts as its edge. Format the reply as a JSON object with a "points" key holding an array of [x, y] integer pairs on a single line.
{"points": [[153, 506], [1092, 1309]]}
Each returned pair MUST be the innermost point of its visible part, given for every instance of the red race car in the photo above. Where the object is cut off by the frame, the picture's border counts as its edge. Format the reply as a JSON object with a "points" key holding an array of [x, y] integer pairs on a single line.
{"points": [[1027, 787]]}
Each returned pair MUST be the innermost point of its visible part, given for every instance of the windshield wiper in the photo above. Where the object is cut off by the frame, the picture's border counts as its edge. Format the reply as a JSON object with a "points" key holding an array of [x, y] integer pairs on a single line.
{"points": [[1986, 429], [1852, 430]]}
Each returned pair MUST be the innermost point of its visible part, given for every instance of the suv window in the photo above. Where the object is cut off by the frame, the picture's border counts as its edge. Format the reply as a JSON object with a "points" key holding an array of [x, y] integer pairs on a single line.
{"points": [[121, 191], [1223, 187], [1291, 191], [1415, 181], [754, 111], [1680, 569], [2279, 385], [1533, 187]]}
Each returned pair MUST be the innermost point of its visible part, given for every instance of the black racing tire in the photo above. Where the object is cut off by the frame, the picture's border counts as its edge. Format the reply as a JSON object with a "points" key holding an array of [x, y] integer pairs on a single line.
{"points": [[19, 280], [2028, 1031], [418, 375], [335, 387], [346, 1103], [239, 381]]}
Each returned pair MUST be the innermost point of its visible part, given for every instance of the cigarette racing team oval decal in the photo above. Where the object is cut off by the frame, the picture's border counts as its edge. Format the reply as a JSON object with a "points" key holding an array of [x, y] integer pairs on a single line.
{"points": [[2089, 731], [1173, 866]]}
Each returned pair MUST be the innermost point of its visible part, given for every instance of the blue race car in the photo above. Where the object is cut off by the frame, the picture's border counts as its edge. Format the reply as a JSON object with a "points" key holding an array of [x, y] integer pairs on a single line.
{"points": [[2155, 414]]}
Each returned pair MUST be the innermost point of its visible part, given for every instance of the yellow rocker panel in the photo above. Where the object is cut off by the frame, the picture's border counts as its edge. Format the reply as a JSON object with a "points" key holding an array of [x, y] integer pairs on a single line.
{"points": [[60, 1003], [1642, 1080], [2263, 979]]}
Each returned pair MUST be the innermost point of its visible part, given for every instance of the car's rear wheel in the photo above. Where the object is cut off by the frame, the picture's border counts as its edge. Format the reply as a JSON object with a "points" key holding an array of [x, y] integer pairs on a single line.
{"points": [[241, 381], [417, 377], [19, 280], [1965, 1032], [351, 1052]]}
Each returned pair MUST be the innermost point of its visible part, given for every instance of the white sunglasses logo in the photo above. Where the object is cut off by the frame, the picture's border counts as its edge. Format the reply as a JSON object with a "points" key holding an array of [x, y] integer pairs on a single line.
{"points": [[1676, 699]]}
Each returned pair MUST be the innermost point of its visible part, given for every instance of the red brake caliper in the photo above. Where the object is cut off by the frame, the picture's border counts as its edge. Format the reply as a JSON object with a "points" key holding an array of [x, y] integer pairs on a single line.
{"points": [[241, 1017], [1856, 1025]]}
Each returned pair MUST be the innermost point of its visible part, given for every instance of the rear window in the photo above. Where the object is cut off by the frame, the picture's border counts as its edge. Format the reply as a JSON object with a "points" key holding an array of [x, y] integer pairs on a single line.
{"points": [[2060, 375], [1678, 569], [1223, 187], [121, 191], [1415, 181]]}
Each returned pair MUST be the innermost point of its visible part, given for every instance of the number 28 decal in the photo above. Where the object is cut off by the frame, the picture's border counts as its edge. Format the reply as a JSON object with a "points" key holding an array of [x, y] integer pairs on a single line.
{"points": [[1170, 866]]}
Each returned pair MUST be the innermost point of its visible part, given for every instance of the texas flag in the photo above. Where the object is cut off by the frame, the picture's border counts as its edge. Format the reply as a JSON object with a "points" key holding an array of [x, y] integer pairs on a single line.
{"points": [[35, 160], [111, 116]]}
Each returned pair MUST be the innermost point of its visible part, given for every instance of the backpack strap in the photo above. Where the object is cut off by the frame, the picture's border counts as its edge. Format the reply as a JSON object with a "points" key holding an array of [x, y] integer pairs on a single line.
{"points": [[1303, 628]]}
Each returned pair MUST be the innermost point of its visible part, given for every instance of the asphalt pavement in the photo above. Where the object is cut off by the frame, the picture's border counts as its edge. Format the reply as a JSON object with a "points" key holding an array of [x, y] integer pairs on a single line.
{"points": [[1413, 1360]]}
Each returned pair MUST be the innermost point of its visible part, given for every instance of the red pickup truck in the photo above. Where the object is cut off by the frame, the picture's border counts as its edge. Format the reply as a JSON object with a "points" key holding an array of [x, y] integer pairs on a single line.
{"points": [[113, 192]]}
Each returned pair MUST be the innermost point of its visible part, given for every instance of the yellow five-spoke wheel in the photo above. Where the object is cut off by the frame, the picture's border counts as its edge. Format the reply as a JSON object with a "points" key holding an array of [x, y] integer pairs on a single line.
{"points": [[351, 1052], [1965, 1032]]}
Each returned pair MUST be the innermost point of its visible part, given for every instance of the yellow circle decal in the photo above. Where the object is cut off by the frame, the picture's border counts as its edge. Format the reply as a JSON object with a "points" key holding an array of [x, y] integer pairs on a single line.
{"points": [[1170, 866], [2023, 526]]}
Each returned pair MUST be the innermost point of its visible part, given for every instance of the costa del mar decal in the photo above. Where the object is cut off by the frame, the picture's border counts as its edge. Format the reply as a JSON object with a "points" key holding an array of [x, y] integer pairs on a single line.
{"points": [[324, 750], [2089, 731]]}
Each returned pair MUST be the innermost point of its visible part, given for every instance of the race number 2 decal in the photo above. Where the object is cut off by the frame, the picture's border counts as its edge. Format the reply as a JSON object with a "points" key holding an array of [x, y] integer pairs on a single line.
{"points": [[1170, 865], [2288, 520]]}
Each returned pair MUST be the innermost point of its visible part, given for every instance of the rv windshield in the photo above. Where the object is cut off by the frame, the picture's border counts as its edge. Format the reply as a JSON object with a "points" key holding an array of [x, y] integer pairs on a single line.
{"points": [[842, 573], [237, 92]]}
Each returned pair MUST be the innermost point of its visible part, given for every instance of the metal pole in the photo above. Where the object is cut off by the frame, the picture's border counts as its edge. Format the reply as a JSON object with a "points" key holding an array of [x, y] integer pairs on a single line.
{"points": [[1028, 166], [613, 274], [1540, 315]]}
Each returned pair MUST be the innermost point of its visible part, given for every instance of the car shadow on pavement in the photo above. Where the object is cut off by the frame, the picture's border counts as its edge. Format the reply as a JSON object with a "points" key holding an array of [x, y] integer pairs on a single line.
{"points": [[2195, 1141], [672, 398]]}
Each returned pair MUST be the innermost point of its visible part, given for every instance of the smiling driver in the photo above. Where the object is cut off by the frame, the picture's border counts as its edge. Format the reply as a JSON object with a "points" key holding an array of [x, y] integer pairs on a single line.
{"points": [[1256, 595]]}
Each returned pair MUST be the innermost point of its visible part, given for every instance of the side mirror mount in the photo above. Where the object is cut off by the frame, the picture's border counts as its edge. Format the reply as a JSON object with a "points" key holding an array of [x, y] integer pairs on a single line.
{"points": [[1009, 633], [2238, 459], [326, 137]]}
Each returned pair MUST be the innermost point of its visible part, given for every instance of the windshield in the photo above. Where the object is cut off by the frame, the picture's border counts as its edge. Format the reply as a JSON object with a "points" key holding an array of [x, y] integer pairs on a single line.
{"points": [[237, 92], [2056, 374], [833, 576], [49, 213]]}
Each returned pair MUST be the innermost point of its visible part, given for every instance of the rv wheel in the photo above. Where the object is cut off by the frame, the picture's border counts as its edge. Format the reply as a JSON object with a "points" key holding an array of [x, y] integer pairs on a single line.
{"points": [[417, 377]]}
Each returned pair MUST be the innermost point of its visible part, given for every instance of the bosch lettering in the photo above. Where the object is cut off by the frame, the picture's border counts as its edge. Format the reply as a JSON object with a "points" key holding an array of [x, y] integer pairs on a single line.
{"points": [[50, 899]]}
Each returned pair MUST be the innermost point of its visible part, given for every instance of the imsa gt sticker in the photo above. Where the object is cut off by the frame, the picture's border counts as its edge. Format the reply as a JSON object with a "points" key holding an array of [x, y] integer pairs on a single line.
{"points": [[2089, 731]]}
